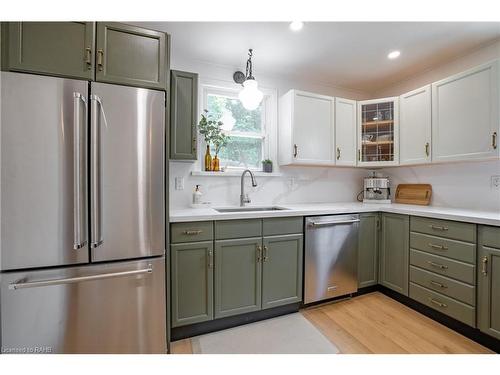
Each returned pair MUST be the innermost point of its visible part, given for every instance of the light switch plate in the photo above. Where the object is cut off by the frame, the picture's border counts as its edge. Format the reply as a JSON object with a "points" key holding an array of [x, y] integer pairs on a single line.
{"points": [[179, 183], [495, 182]]}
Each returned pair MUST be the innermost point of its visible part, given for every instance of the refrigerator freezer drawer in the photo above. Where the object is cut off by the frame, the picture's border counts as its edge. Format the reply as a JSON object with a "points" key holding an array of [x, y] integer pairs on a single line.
{"points": [[108, 308]]}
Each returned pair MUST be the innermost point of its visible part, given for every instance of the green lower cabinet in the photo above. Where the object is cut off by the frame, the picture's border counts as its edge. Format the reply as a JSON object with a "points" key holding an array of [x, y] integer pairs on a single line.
{"points": [[488, 301], [238, 276], [282, 270], [192, 282], [394, 252], [369, 227]]}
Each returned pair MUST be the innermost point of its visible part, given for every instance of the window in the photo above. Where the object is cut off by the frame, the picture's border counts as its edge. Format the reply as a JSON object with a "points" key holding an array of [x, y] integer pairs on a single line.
{"points": [[251, 132]]}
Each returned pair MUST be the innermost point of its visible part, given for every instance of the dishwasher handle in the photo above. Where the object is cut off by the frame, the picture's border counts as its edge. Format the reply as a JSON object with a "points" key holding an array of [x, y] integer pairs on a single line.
{"points": [[316, 224]]}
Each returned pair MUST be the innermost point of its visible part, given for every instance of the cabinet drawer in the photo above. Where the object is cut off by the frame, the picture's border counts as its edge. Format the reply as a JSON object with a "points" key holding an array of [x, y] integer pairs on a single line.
{"points": [[282, 225], [191, 232], [444, 228], [444, 285], [489, 236], [443, 266], [463, 251], [246, 228], [458, 310]]}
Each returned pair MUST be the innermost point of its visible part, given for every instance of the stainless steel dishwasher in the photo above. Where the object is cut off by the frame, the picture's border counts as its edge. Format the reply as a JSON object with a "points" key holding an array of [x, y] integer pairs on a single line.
{"points": [[331, 257]]}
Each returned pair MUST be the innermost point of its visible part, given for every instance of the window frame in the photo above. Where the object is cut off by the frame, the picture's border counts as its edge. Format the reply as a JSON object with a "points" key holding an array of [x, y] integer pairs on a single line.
{"points": [[269, 123]]}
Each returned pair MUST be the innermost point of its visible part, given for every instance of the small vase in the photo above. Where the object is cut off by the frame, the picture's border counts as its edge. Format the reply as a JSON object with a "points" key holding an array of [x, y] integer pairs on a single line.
{"points": [[215, 164], [267, 167], [208, 160]]}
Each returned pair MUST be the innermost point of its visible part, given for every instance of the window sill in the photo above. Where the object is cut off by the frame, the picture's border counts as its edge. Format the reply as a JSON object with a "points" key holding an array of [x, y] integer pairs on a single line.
{"points": [[234, 174]]}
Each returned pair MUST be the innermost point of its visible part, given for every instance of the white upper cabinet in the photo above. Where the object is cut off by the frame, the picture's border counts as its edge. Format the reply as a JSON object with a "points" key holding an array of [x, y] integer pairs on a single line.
{"points": [[378, 132], [306, 130], [465, 118], [345, 132], [415, 127]]}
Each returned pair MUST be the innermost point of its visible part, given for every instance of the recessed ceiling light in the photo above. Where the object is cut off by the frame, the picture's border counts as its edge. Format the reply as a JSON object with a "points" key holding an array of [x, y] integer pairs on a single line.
{"points": [[393, 55], [296, 25]]}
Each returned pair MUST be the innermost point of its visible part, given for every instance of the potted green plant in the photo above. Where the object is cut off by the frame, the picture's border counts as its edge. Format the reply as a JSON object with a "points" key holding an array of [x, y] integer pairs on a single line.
{"points": [[267, 166], [212, 133]]}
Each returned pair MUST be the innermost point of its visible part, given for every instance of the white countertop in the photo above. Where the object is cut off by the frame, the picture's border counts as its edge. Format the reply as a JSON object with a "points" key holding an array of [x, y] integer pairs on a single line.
{"points": [[313, 209]]}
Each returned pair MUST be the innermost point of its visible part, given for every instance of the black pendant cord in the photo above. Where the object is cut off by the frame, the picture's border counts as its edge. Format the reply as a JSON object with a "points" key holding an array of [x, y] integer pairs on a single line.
{"points": [[249, 65]]}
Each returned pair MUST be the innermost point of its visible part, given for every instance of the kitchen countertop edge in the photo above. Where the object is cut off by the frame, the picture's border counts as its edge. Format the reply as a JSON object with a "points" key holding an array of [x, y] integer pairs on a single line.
{"points": [[314, 209]]}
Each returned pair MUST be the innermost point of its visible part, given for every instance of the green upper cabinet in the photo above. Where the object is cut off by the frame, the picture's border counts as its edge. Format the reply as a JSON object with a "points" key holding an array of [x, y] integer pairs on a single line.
{"points": [[281, 270], [131, 55], [63, 49], [183, 115], [192, 267], [488, 279], [368, 249], [394, 252], [238, 279]]}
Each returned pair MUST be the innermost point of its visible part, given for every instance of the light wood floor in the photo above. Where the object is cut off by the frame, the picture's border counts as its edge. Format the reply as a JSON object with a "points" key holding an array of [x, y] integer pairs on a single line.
{"points": [[375, 323]]}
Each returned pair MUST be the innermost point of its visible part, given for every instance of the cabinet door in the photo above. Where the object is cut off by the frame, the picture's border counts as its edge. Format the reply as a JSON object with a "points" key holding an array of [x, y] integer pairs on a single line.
{"points": [[131, 55], [192, 282], [489, 291], [368, 249], [183, 115], [378, 132], [313, 129], [345, 132], [63, 49], [415, 126], [238, 276], [465, 115], [282, 270], [394, 252]]}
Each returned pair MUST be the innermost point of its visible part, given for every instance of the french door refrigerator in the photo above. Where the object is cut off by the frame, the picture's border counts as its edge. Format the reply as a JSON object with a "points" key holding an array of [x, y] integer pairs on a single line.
{"points": [[82, 241]]}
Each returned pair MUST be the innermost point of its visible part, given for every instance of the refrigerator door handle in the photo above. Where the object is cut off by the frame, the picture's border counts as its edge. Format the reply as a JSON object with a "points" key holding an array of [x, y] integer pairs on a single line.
{"points": [[95, 179], [72, 280], [79, 172]]}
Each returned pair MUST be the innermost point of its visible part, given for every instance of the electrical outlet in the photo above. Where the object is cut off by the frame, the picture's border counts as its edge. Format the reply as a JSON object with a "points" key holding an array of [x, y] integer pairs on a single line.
{"points": [[179, 183], [495, 182]]}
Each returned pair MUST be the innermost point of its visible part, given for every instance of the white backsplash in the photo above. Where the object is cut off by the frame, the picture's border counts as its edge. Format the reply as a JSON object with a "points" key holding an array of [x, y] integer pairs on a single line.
{"points": [[296, 185], [459, 185]]}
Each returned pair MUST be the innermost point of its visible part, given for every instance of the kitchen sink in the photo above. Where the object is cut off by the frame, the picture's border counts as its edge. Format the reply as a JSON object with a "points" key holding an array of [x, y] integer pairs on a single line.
{"points": [[250, 209]]}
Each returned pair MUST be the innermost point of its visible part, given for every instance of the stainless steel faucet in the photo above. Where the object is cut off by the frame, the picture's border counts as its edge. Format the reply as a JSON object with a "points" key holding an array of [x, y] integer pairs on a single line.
{"points": [[244, 197]]}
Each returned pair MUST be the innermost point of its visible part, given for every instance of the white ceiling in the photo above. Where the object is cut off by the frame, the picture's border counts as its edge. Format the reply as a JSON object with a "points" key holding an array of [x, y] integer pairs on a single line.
{"points": [[349, 54]]}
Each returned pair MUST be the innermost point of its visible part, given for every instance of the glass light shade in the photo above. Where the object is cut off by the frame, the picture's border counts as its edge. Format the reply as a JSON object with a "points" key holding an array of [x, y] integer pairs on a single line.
{"points": [[250, 96]]}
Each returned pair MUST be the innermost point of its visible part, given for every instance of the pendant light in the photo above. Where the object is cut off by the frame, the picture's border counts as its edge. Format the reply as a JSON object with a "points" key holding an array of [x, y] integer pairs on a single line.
{"points": [[250, 96]]}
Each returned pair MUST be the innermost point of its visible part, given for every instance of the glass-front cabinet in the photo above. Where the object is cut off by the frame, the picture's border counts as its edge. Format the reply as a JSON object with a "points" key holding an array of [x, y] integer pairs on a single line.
{"points": [[378, 132]]}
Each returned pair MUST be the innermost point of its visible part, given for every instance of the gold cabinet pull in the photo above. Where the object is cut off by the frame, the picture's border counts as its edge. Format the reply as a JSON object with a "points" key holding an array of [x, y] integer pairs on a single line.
{"points": [[265, 253], [437, 265], [438, 227], [259, 253], [427, 149], [295, 150], [88, 57], [100, 58], [438, 247], [210, 259], [338, 153], [484, 268], [359, 155], [494, 140], [193, 232], [435, 283], [440, 304]]}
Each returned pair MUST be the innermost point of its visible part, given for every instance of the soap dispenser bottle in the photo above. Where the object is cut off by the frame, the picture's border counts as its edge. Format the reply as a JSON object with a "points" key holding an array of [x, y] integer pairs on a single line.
{"points": [[197, 195]]}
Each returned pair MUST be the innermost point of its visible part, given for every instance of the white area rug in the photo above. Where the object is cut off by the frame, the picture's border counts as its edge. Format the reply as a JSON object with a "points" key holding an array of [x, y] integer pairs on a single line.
{"points": [[289, 334]]}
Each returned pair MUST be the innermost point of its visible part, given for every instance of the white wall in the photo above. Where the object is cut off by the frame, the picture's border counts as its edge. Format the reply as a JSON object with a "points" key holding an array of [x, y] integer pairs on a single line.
{"points": [[464, 185], [297, 184]]}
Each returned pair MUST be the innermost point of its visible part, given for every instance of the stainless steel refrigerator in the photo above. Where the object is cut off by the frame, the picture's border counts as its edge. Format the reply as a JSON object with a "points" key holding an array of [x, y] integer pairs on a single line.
{"points": [[82, 241]]}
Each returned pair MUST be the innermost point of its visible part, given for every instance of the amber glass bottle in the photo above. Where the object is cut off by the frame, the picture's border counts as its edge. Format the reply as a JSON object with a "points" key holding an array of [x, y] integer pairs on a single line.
{"points": [[208, 160], [215, 164]]}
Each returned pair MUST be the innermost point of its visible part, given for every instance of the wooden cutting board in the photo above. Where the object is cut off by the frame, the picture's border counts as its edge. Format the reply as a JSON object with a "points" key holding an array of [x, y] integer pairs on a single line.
{"points": [[414, 194]]}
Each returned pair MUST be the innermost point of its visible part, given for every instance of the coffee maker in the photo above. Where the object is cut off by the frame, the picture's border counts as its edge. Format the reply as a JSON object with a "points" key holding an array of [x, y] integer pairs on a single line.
{"points": [[376, 189]]}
